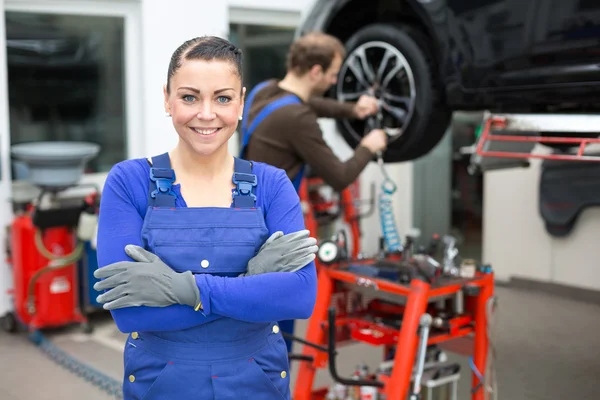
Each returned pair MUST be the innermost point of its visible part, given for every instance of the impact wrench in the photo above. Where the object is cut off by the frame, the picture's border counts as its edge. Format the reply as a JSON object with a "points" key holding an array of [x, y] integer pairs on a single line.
{"points": [[376, 122]]}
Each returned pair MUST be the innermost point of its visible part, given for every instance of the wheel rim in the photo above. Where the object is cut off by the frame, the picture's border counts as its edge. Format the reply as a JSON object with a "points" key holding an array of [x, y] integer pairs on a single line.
{"points": [[379, 69]]}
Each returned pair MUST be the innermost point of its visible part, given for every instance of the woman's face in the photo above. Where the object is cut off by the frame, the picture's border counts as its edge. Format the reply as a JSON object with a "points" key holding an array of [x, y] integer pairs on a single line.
{"points": [[205, 103]]}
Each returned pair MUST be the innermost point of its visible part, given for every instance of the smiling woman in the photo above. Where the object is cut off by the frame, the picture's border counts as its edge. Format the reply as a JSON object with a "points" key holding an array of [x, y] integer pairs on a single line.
{"points": [[205, 112], [199, 252]]}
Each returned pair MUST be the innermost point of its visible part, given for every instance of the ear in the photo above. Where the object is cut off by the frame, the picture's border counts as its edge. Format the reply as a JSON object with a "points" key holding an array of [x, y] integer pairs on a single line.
{"points": [[166, 100], [316, 72]]}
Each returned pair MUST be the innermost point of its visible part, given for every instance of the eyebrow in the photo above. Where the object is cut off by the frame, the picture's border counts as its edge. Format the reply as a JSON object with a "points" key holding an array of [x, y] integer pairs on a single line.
{"points": [[197, 91]]}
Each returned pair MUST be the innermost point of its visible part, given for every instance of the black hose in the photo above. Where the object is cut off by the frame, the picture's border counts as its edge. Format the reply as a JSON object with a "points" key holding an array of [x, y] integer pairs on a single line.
{"points": [[332, 354]]}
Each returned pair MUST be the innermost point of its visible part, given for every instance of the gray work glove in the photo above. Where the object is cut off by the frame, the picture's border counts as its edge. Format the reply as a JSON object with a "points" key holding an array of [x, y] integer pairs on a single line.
{"points": [[146, 282], [283, 253]]}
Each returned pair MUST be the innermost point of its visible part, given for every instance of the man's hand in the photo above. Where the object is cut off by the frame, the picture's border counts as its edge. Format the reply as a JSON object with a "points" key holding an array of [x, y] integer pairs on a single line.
{"points": [[365, 106], [375, 141]]}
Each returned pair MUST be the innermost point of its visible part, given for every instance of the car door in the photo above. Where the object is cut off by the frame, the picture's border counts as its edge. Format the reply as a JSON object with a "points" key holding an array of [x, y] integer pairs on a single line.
{"points": [[566, 47], [491, 41]]}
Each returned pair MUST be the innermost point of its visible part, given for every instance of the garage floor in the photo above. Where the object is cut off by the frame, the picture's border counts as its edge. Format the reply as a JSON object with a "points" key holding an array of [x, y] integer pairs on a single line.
{"points": [[548, 348]]}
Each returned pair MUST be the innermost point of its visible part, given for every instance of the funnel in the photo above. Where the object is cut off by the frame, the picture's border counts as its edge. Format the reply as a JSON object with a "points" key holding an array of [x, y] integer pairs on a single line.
{"points": [[55, 165]]}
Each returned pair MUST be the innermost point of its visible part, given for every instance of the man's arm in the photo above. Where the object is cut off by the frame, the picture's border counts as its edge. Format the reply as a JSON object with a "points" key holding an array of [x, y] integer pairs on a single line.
{"points": [[331, 108], [306, 138]]}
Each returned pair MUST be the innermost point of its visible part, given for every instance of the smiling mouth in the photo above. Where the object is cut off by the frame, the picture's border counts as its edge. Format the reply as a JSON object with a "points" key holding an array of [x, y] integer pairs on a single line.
{"points": [[206, 132]]}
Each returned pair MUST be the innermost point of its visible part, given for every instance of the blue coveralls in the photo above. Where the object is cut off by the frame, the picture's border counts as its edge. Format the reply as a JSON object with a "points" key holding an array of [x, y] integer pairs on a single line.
{"points": [[225, 359], [286, 326]]}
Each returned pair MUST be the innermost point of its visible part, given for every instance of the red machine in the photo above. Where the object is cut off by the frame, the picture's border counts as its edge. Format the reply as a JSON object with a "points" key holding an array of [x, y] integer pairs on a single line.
{"points": [[44, 255], [387, 309], [317, 211], [342, 314]]}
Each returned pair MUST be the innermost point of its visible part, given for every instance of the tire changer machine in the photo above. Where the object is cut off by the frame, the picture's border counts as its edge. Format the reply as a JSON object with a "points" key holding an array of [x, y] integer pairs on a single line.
{"points": [[402, 300], [48, 235]]}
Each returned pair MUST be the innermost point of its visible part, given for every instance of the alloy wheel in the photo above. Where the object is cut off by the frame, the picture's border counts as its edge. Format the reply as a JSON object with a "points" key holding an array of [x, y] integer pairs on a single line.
{"points": [[379, 69]]}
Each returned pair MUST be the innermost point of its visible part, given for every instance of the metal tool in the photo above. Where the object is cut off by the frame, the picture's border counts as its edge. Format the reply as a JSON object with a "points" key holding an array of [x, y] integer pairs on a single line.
{"points": [[425, 323], [450, 253]]}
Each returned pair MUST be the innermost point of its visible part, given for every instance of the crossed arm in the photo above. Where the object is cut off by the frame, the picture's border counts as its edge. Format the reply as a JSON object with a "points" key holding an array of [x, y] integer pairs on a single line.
{"points": [[242, 298]]}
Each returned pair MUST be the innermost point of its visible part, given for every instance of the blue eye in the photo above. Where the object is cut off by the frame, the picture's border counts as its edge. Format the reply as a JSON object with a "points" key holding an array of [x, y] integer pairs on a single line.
{"points": [[188, 98], [223, 99]]}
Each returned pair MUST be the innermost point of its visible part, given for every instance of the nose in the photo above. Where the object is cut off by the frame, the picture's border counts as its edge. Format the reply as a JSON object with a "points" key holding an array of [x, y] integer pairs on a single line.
{"points": [[205, 111]]}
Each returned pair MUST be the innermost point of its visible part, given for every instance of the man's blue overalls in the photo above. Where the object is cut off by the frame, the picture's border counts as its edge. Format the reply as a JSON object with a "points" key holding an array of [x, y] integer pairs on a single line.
{"points": [[224, 359], [286, 326]]}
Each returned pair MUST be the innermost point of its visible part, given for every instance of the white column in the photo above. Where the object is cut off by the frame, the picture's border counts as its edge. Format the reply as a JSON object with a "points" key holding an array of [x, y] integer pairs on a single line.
{"points": [[5, 179], [165, 25]]}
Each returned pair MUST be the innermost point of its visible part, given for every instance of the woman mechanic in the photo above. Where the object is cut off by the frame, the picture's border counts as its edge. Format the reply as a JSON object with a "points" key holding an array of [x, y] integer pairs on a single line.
{"points": [[200, 252]]}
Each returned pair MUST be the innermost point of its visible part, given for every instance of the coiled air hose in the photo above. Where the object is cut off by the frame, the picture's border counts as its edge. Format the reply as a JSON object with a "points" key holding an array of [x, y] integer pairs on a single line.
{"points": [[389, 230]]}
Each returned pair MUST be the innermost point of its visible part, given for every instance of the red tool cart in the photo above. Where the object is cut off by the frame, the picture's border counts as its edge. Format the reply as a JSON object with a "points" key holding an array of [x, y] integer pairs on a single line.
{"points": [[391, 318], [404, 302]]}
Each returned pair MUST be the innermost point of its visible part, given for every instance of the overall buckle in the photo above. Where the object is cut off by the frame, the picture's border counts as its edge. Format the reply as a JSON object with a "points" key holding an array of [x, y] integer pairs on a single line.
{"points": [[164, 178], [245, 184]]}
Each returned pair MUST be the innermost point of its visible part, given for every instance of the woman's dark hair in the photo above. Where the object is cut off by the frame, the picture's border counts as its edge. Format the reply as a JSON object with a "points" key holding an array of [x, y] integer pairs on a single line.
{"points": [[205, 48]]}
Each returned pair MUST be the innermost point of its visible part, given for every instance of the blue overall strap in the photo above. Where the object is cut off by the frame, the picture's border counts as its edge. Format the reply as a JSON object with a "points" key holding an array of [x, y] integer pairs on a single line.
{"points": [[297, 181], [245, 182], [264, 113], [248, 103], [162, 177]]}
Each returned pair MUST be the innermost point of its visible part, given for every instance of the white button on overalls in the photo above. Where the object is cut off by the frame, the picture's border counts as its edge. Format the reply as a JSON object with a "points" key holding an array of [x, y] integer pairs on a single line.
{"points": [[204, 263], [275, 329]]}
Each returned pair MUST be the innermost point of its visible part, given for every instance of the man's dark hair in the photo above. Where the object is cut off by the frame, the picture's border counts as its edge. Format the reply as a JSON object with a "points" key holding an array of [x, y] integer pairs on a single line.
{"points": [[205, 48], [312, 49]]}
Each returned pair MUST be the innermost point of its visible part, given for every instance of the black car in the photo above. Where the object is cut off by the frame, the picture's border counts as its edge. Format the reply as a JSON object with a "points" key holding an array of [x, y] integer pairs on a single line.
{"points": [[427, 58]]}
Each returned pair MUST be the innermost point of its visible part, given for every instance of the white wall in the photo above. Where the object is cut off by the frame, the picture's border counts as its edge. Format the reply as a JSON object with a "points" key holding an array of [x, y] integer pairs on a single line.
{"points": [[5, 179], [165, 25], [515, 241]]}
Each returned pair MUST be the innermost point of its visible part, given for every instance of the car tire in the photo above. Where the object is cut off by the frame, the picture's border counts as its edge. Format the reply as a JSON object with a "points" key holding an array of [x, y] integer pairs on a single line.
{"points": [[426, 120]]}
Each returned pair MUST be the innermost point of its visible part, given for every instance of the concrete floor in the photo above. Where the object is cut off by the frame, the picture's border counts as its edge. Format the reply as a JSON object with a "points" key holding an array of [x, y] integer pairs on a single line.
{"points": [[548, 348]]}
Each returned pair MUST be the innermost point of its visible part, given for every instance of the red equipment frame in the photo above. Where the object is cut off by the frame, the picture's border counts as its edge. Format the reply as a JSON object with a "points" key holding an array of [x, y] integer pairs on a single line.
{"points": [[529, 123], [311, 204], [419, 297], [335, 288]]}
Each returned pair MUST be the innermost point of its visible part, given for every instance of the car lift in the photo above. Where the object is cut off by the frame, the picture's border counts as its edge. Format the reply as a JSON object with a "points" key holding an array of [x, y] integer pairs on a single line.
{"points": [[419, 310]]}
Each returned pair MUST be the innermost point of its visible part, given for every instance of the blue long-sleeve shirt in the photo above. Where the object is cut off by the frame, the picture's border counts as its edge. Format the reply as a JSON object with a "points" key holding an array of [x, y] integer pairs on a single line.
{"points": [[256, 298]]}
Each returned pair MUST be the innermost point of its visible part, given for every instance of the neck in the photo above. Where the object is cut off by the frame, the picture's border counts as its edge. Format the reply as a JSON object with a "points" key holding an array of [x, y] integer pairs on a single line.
{"points": [[191, 164], [297, 85]]}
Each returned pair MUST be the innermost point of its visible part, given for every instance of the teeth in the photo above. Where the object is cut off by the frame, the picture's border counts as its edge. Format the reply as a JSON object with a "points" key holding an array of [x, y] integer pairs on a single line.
{"points": [[205, 131]]}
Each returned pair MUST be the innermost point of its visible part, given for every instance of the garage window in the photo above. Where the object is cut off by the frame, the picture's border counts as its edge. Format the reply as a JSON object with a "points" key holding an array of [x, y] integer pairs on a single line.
{"points": [[66, 82], [265, 49]]}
